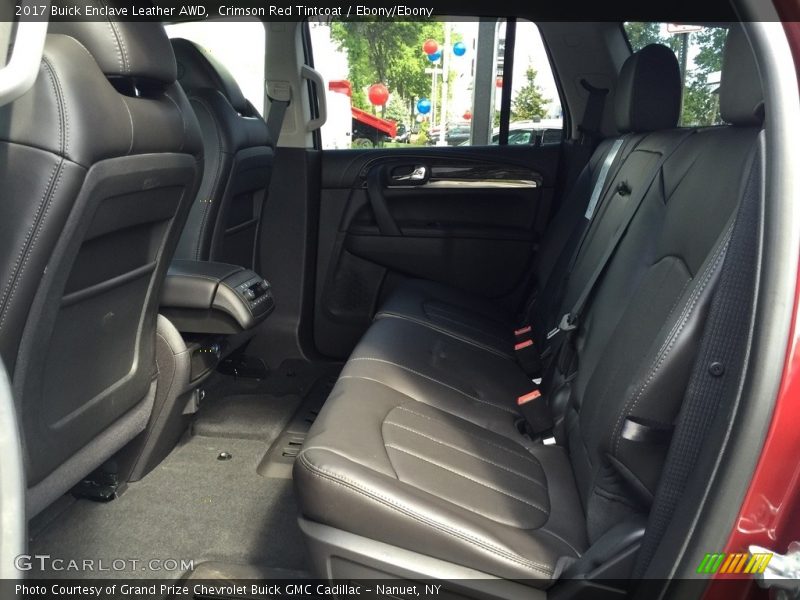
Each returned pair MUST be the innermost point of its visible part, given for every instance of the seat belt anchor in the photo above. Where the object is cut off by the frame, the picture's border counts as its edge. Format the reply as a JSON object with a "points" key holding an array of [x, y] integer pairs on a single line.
{"points": [[568, 322]]}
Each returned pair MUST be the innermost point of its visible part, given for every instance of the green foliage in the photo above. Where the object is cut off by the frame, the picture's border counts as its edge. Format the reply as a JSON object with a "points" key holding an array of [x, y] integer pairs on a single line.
{"points": [[396, 109], [643, 34], [389, 52], [529, 103]]}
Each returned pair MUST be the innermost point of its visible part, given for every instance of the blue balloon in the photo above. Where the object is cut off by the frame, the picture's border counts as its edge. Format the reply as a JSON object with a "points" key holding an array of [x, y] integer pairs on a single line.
{"points": [[423, 106], [459, 48], [435, 56]]}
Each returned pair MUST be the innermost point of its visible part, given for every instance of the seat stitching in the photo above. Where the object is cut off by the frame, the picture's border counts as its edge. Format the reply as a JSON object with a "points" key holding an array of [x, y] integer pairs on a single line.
{"points": [[32, 234], [452, 334], [372, 495], [478, 437], [38, 225], [115, 39], [664, 353], [62, 110], [122, 46], [130, 118], [609, 378], [467, 477], [486, 460], [13, 280], [183, 120], [355, 461], [422, 401], [414, 399], [215, 182], [455, 389], [441, 313], [122, 55], [561, 539]]}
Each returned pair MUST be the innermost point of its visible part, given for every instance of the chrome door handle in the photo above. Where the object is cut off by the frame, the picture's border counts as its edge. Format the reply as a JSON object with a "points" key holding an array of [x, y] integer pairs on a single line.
{"points": [[418, 174]]}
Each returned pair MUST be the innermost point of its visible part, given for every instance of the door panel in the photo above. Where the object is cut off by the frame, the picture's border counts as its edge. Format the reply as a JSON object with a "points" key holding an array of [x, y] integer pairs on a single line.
{"points": [[464, 217]]}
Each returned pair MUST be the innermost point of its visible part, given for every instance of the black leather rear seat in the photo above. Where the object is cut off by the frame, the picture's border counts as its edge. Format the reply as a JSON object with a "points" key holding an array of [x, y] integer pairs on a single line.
{"points": [[418, 444], [647, 100]]}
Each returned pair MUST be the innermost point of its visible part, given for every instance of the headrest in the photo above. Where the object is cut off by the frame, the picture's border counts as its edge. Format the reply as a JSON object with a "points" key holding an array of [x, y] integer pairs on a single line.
{"points": [[648, 95], [198, 69], [741, 99], [134, 49]]}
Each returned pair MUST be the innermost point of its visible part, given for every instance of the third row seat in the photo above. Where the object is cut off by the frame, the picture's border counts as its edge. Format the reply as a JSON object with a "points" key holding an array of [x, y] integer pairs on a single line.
{"points": [[224, 221]]}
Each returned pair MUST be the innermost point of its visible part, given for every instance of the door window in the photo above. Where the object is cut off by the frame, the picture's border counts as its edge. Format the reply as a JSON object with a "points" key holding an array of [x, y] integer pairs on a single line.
{"points": [[433, 83]]}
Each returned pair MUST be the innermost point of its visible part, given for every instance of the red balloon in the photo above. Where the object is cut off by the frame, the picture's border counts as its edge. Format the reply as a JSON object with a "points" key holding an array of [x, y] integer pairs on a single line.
{"points": [[468, 115], [430, 46], [499, 82], [378, 94]]}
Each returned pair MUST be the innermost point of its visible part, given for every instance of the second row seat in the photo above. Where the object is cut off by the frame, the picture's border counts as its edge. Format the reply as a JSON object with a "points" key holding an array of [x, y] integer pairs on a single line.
{"points": [[646, 106], [417, 446]]}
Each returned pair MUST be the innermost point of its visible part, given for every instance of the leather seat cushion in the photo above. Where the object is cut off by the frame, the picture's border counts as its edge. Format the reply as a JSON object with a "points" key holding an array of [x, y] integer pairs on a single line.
{"points": [[470, 318], [442, 371], [383, 465]]}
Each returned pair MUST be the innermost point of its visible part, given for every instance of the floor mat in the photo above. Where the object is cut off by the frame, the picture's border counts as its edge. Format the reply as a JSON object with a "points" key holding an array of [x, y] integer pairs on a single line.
{"points": [[193, 507]]}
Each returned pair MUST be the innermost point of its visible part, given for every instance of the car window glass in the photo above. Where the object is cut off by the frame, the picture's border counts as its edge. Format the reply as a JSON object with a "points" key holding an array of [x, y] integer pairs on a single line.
{"points": [[400, 83], [699, 50]]}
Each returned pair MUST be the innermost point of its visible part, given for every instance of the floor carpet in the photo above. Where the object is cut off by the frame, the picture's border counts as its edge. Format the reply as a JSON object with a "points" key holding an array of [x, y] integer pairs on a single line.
{"points": [[193, 506]]}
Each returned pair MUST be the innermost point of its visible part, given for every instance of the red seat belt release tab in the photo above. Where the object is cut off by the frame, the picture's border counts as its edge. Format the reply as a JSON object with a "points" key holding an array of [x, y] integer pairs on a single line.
{"points": [[529, 397], [522, 331], [522, 345]]}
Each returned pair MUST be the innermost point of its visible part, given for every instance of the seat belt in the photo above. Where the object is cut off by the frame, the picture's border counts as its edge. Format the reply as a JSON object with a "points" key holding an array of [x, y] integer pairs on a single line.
{"points": [[279, 94], [277, 110], [576, 153], [561, 347], [591, 123], [570, 320], [719, 365], [598, 191], [607, 174], [590, 136]]}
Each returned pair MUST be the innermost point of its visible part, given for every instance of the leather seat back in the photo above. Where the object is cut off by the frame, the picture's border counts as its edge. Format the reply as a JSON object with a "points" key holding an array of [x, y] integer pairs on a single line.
{"points": [[637, 342], [100, 161], [224, 221]]}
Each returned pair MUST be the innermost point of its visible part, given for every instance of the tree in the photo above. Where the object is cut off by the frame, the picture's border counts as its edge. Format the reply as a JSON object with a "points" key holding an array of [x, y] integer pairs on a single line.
{"points": [[529, 103], [643, 34], [700, 99], [389, 52]]}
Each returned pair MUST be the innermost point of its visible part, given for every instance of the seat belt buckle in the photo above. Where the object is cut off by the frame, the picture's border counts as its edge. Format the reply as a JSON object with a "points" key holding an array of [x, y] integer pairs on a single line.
{"points": [[528, 357], [568, 322], [534, 409]]}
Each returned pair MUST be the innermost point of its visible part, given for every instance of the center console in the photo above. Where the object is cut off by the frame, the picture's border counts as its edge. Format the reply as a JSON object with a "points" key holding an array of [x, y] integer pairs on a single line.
{"points": [[208, 310], [215, 298]]}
